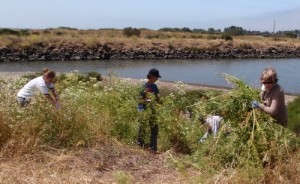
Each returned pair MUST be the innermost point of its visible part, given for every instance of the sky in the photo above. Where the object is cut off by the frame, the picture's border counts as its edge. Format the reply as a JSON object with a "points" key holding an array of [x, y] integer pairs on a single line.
{"points": [[153, 14]]}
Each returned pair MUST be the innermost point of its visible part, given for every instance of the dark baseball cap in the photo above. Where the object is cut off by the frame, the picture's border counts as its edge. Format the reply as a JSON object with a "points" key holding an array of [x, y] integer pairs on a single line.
{"points": [[154, 72]]}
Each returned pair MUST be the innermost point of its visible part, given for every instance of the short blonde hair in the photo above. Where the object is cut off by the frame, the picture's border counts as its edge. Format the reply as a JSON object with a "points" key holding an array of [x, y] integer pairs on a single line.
{"points": [[269, 75]]}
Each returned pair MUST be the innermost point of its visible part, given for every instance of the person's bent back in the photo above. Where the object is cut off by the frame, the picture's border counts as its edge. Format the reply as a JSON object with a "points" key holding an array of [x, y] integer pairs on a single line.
{"points": [[40, 84]]}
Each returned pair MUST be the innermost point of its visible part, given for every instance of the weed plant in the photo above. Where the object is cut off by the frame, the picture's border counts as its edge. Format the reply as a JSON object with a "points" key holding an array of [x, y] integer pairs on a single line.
{"points": [[95, 110]]}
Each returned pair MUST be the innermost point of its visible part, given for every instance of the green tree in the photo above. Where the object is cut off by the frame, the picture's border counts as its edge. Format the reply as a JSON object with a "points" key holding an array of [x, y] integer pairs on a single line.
{"points": [[211, 31], [234, 31], [129, 31]]}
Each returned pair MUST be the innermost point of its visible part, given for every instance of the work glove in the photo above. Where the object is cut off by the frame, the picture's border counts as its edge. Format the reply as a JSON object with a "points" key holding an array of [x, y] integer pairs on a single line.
{"points": [[255, 104], [141, 107]]}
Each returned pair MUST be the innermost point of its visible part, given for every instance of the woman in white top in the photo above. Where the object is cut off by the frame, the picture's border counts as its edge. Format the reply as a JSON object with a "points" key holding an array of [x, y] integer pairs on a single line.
{"points": [[41, 84]]}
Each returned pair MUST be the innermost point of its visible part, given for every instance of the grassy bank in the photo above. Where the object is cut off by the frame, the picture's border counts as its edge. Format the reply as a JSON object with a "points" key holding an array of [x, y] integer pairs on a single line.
{"points": [[92, 137], [148, 39]]}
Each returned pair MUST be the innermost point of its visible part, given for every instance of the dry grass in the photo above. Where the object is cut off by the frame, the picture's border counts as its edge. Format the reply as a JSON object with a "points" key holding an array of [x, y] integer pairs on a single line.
{"points": [[148, 40], [107, 160], [113, 163], [105, 163]]}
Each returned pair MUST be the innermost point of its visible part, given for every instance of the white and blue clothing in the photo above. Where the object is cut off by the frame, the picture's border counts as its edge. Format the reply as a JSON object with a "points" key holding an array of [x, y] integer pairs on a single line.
{"points": [[37, 85], [214, 123]]}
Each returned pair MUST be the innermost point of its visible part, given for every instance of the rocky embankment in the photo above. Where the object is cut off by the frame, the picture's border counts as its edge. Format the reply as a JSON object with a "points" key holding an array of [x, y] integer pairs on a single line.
{"points": [[105, 52]]}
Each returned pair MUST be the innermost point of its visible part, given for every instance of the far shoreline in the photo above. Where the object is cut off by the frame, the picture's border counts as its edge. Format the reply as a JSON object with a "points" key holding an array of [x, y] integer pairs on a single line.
{"points": [[63, 44]]}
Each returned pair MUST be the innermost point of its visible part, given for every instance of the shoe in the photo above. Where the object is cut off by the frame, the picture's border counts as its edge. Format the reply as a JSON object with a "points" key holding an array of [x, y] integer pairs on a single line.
{"points": [[152, 150]]}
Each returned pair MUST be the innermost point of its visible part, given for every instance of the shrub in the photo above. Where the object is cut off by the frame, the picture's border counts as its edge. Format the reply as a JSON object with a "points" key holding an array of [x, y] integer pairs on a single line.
{"points": [[46, 32], [226, 37], [5, 131], [245, 46], [67, 28], [152, 36], [129, 31], [234, 31], [21, 32], [90, 76], [168, 29], [24, 32], [294, 115], [59, 33], [197, 36], [6, 31], [94, 110], [211, 37], [35, 33], [254, 140]]}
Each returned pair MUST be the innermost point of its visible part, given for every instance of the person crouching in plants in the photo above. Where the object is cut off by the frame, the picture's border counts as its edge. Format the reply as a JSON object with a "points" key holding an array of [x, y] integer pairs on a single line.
{"points": [[272, 96], [212, 123], [146, 103], [40, 84]]}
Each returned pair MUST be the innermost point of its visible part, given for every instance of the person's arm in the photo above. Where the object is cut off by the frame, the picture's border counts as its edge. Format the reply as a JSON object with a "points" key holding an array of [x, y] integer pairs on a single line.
{"points": [[275, 102], [51, 99], [56, 97]]}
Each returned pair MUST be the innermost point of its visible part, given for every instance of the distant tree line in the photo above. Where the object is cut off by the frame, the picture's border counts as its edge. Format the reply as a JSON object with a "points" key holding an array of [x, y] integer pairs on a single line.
{"points": [[129, 31], [234, 31]]}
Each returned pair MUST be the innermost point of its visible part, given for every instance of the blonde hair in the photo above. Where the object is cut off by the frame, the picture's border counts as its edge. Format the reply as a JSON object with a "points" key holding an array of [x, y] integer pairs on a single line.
{"points": [[49, 73], [269, 75]]}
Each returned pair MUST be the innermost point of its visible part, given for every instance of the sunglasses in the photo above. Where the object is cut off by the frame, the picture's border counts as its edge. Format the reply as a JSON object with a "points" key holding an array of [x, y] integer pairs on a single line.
{"points": [[267, 82]]}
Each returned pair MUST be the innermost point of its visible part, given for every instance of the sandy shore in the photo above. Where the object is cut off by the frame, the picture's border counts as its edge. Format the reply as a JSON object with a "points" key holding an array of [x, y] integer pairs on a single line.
{"points": [[167, 84]]}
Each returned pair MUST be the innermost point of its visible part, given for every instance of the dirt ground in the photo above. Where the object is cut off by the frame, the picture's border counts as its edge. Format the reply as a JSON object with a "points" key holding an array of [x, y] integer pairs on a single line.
{"points": [[104, 163]]}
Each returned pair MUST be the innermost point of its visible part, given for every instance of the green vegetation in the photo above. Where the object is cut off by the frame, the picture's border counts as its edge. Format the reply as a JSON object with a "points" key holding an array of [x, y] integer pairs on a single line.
{"points": [[234, 31], [131, 32], [294, 115], [92, 111], [185, 29], [227, 37], [21, 32], [290, 34]]}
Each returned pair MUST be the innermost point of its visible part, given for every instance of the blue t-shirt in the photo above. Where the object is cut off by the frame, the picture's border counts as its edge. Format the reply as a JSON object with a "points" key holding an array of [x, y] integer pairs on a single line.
{"points": [[147, 88]]}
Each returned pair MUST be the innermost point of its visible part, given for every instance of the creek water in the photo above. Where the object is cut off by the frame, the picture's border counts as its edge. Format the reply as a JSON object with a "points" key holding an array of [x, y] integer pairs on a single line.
{"points": [[188, 71]]}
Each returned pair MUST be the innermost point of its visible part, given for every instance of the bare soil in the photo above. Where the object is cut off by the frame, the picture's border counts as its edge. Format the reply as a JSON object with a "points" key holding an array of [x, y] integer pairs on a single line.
{"points": [[104, 163]]}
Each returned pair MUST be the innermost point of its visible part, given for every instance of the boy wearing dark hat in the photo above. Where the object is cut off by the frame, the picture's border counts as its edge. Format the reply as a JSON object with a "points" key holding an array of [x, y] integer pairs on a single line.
{"points": [[149, 87]]}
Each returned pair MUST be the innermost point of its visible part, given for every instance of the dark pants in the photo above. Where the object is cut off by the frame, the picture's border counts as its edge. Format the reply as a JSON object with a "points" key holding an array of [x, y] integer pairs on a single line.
{"points": [[23, 101], [153, 136]]}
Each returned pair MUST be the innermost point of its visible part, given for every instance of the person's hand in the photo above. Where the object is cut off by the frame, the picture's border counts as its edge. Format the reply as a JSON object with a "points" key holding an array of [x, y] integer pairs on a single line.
{"points": [[255, 104], [57, 105]]}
